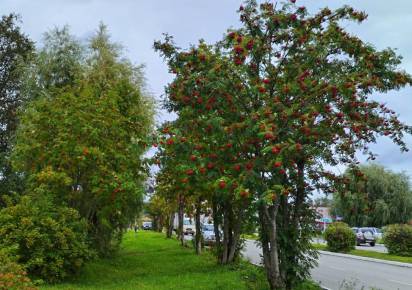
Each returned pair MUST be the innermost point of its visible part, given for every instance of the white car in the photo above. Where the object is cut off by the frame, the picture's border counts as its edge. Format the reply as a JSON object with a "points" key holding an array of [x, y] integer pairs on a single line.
{"points": [[208, 233], [189, 227], [377, 233]]}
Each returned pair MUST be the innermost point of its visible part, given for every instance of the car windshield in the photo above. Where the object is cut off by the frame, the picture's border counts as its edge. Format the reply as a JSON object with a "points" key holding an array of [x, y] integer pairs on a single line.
{"points": [[187, 223], [208, 227]]}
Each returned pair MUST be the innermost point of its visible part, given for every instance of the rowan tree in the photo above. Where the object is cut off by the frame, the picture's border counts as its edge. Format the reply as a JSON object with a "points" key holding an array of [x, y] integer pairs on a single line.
{"points": [[197, 154], [293, 92], [174, 157], [166, 189]]}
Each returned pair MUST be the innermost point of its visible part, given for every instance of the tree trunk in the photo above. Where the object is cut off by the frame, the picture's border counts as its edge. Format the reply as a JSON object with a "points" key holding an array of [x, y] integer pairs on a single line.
{"points": [[226, 232], [180, 216], [216, 223], [233, 248], [236, 227], [169, 231], [232, 225], [154, 223], [198, 235], [160, 224], [267, 216]]}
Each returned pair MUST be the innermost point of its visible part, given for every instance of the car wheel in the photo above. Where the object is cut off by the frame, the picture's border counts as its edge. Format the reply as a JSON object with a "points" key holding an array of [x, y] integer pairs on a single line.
{"points": [[372, 244]]}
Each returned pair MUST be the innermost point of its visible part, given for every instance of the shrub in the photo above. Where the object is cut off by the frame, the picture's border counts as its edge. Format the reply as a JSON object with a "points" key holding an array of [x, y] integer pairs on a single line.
{"points": [[340, 237], [50, 241], [398, 240], [12, 275]]}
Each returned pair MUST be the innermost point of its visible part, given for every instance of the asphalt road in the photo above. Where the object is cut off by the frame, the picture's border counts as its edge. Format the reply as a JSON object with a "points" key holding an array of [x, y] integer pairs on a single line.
{"points": [[333, 272]]}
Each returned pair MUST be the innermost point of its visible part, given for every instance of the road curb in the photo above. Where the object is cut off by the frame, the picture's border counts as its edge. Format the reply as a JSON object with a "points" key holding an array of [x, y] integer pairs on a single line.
{"points": [[379, 261]]}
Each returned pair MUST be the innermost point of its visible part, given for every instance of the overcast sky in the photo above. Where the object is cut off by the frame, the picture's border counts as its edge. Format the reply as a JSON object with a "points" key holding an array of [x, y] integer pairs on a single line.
{"points": [[137, 23]]}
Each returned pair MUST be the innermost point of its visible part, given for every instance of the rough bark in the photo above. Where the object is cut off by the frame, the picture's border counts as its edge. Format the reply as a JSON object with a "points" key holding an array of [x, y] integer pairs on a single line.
{"points": [[169, 231], [232, 225], [233, 247], [226, 232], [198, 235], [267, 215], [160, 224], [180, 216], [216, 223]]}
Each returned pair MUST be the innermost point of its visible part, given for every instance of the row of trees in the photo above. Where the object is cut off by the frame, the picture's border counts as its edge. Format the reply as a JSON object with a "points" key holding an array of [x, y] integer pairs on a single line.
{"points": [[75, 118], [261, 115]]}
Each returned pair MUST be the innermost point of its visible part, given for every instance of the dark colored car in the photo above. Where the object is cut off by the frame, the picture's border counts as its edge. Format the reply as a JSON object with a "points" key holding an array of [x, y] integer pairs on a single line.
{"points": [[364, 236]]}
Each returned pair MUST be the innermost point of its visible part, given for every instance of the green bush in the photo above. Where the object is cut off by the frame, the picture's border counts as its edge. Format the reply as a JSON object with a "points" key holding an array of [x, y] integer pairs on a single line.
{"points": [[340, 237], [398, 240], [12, 275], [49, 241]]}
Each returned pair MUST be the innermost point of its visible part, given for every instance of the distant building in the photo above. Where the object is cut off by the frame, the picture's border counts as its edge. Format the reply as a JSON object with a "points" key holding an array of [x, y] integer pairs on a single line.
{"points": [[324, 212], [324, 217]]}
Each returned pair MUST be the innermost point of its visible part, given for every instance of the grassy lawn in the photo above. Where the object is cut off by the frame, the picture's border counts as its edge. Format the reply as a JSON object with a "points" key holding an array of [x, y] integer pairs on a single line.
{"points": [[371, 254], [148, 261], [250, 236]]}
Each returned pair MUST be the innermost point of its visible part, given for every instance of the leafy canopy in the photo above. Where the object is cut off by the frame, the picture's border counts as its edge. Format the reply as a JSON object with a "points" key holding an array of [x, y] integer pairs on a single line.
{"points": [[274, 104], [84, 136], [16, 51]]}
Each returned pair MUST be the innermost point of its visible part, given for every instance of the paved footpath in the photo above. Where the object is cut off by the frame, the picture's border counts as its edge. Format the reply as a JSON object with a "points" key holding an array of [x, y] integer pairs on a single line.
{"points": [[334, 270]]}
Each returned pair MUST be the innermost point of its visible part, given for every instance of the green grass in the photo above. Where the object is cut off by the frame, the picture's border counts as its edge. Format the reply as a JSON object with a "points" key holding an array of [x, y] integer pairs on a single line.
{"points": [[250, 236], [148, 261], [371, 254]]}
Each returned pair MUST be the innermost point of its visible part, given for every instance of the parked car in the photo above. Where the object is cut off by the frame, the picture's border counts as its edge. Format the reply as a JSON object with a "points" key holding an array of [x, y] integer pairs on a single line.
{"points": [[189, 226], [377, 233], [208, 233], [364, 236], [147, 225]]}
